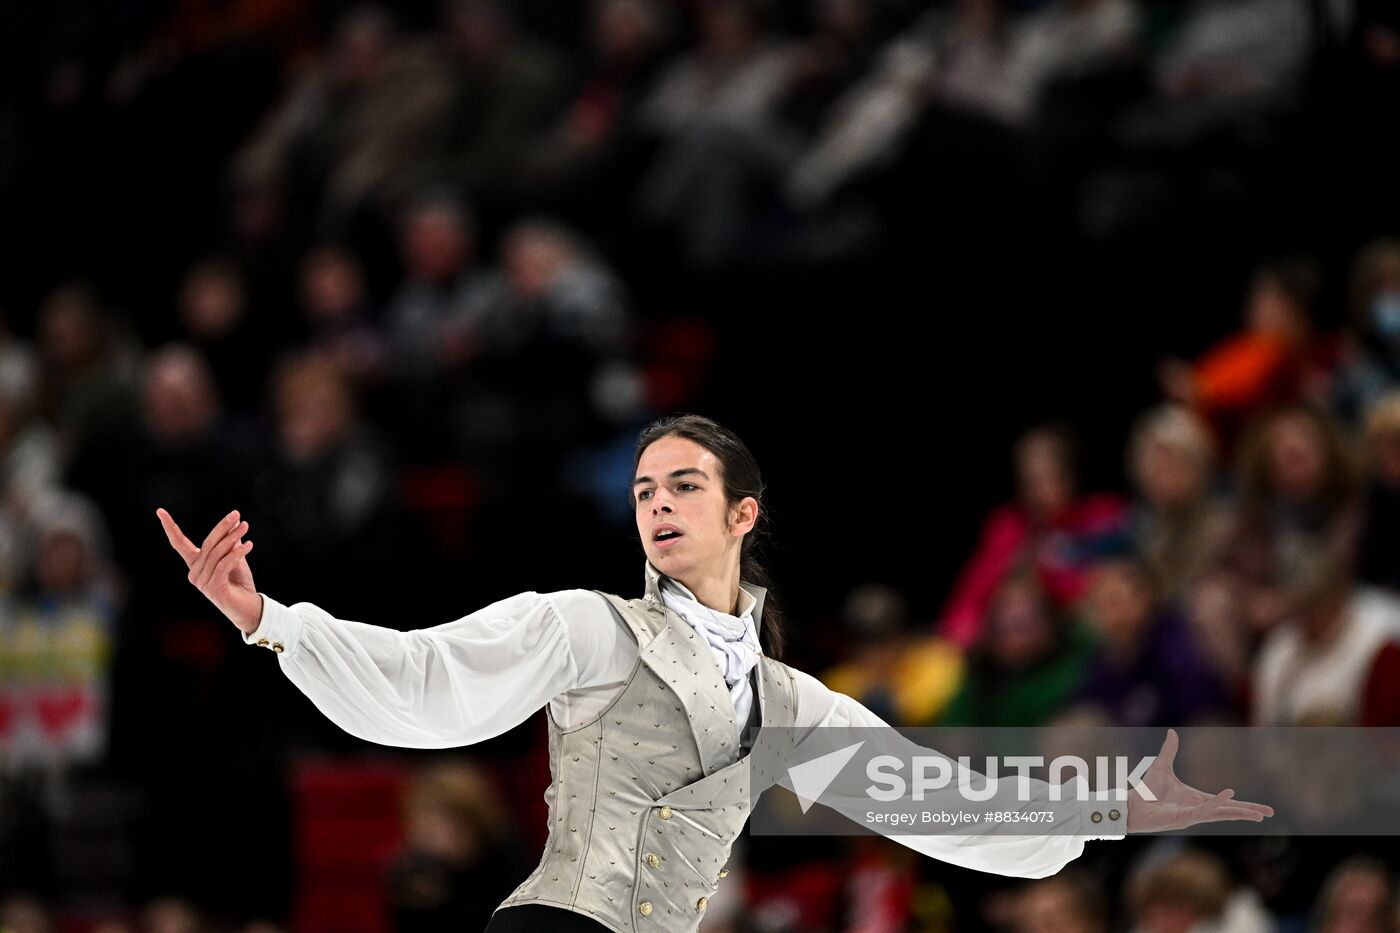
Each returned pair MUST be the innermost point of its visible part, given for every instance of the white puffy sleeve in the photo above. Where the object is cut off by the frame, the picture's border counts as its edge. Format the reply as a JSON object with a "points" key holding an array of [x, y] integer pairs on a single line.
{"points": [[1022, 856], [453, 684]]}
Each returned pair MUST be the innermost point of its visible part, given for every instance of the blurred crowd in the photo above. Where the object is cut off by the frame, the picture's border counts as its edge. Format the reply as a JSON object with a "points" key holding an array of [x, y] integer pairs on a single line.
{"points": [[402, 282]]}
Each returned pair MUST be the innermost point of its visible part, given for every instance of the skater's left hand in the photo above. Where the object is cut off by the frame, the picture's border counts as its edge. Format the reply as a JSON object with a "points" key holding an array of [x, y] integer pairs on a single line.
{"points": [[1179, 805]]}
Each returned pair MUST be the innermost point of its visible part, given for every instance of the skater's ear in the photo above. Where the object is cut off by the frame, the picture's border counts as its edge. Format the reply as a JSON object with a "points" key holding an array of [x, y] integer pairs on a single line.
{"points": [[743, 515]]}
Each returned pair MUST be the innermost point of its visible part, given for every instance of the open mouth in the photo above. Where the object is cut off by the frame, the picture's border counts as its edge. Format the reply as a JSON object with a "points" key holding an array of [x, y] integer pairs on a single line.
{"points": [[667, 537]]}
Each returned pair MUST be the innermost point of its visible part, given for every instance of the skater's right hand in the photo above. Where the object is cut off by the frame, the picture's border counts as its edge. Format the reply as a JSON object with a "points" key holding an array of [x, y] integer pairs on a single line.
{"points": [[219, 568]]}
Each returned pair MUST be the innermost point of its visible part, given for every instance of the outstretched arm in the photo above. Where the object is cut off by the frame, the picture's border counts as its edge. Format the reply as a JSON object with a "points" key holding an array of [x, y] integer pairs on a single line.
{"points": [[1035, 855], [456, 683], [1176, 806]]}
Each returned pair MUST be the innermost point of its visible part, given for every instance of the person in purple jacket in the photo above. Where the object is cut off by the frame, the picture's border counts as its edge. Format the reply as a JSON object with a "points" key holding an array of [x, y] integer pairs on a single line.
{"points": [[1147, 669]]}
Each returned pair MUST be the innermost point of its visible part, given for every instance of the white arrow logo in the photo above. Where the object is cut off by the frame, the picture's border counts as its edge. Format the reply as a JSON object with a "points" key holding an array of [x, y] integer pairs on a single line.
{"points": [[811, 778]]}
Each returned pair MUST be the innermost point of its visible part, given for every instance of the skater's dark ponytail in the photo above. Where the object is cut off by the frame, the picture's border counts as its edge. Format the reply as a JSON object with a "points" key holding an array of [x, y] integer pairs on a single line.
{"points": [[741, 479]]}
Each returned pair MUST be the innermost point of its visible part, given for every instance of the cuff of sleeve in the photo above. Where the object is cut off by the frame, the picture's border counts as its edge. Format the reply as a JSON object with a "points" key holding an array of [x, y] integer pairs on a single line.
{"points": [[1101, 819], [279, 630]]}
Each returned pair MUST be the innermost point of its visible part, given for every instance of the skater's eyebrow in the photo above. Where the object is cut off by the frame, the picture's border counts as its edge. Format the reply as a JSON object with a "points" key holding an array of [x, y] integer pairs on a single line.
{"points": [[686, 471]]}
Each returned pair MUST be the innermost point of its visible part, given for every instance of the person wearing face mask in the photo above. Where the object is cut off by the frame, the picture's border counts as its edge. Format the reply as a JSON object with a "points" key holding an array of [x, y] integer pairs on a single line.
{"points": [[1371, 360], [650, 700]]}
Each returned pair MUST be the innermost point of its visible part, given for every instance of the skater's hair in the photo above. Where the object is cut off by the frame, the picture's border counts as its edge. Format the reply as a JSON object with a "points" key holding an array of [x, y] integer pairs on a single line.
{"points": [[741, 478]]}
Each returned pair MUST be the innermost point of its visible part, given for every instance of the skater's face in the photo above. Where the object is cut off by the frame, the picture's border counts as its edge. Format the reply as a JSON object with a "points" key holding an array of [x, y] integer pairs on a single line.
{"points": [[685, 521]]}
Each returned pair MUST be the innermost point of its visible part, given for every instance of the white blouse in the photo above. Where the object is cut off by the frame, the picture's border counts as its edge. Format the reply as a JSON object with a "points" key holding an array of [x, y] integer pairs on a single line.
{"points": [[476, 677]]}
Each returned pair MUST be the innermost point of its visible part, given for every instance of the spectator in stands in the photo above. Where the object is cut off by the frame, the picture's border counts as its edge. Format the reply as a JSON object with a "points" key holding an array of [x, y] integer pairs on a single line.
{"points": [[506, 89], [358, 127], [551, 286], [1216, 610], [551, 307], [30, 459], [837, 47], [185, 449], [1191, 892], [714, 111], [1249, 53], [431, 323], [184, 446], [906, 678], [1278, 358], [1371, 364], [1325, 663], [339, 318], [1070, 902], [56, 642], [1298, 494], [1028, 665], [1050, 526], [19, 369], [171, 914], [214, 314], [331, 484], [87, 370], [24, 913], [1378, 557], [576, 154], [1146, 669], [1178, 525], [458, 859], [1358, 896], [976, 57], [427, 319]]}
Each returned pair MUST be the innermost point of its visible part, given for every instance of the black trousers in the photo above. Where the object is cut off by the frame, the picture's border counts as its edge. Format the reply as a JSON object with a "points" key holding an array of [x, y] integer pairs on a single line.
{"points": [[540, 918]]}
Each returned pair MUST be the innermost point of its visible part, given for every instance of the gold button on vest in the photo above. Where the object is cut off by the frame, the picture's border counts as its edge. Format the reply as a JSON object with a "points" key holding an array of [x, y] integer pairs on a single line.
{"points": [[723, 872], [653, 860], [701, 904], [277, 646], [644, 908], [665, 813], [262, 641]]}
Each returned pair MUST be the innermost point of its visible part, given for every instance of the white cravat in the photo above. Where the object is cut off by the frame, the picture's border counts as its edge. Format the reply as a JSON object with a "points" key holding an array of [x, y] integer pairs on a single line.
{"points": [[734, 640]]}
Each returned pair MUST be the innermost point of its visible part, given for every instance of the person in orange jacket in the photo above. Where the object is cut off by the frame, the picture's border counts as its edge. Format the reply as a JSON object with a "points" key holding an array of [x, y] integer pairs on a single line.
{"points": [[1278, 358]]}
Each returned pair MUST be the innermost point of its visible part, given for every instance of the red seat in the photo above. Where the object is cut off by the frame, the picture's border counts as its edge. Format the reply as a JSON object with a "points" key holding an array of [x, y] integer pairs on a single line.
{"points": [[347, 826]]}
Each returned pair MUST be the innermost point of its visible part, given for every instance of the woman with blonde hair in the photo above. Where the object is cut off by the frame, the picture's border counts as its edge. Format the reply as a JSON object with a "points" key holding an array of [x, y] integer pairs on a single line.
{"points": [[1178, 526]]}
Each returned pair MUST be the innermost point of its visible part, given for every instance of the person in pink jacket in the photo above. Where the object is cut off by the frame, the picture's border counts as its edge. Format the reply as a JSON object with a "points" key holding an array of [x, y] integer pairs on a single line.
{"points": [[1048, 529]]}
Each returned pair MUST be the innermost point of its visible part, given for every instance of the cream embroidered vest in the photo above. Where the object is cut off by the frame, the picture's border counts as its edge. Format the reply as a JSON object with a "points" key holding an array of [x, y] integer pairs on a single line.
{"points": [[647, 799]]}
